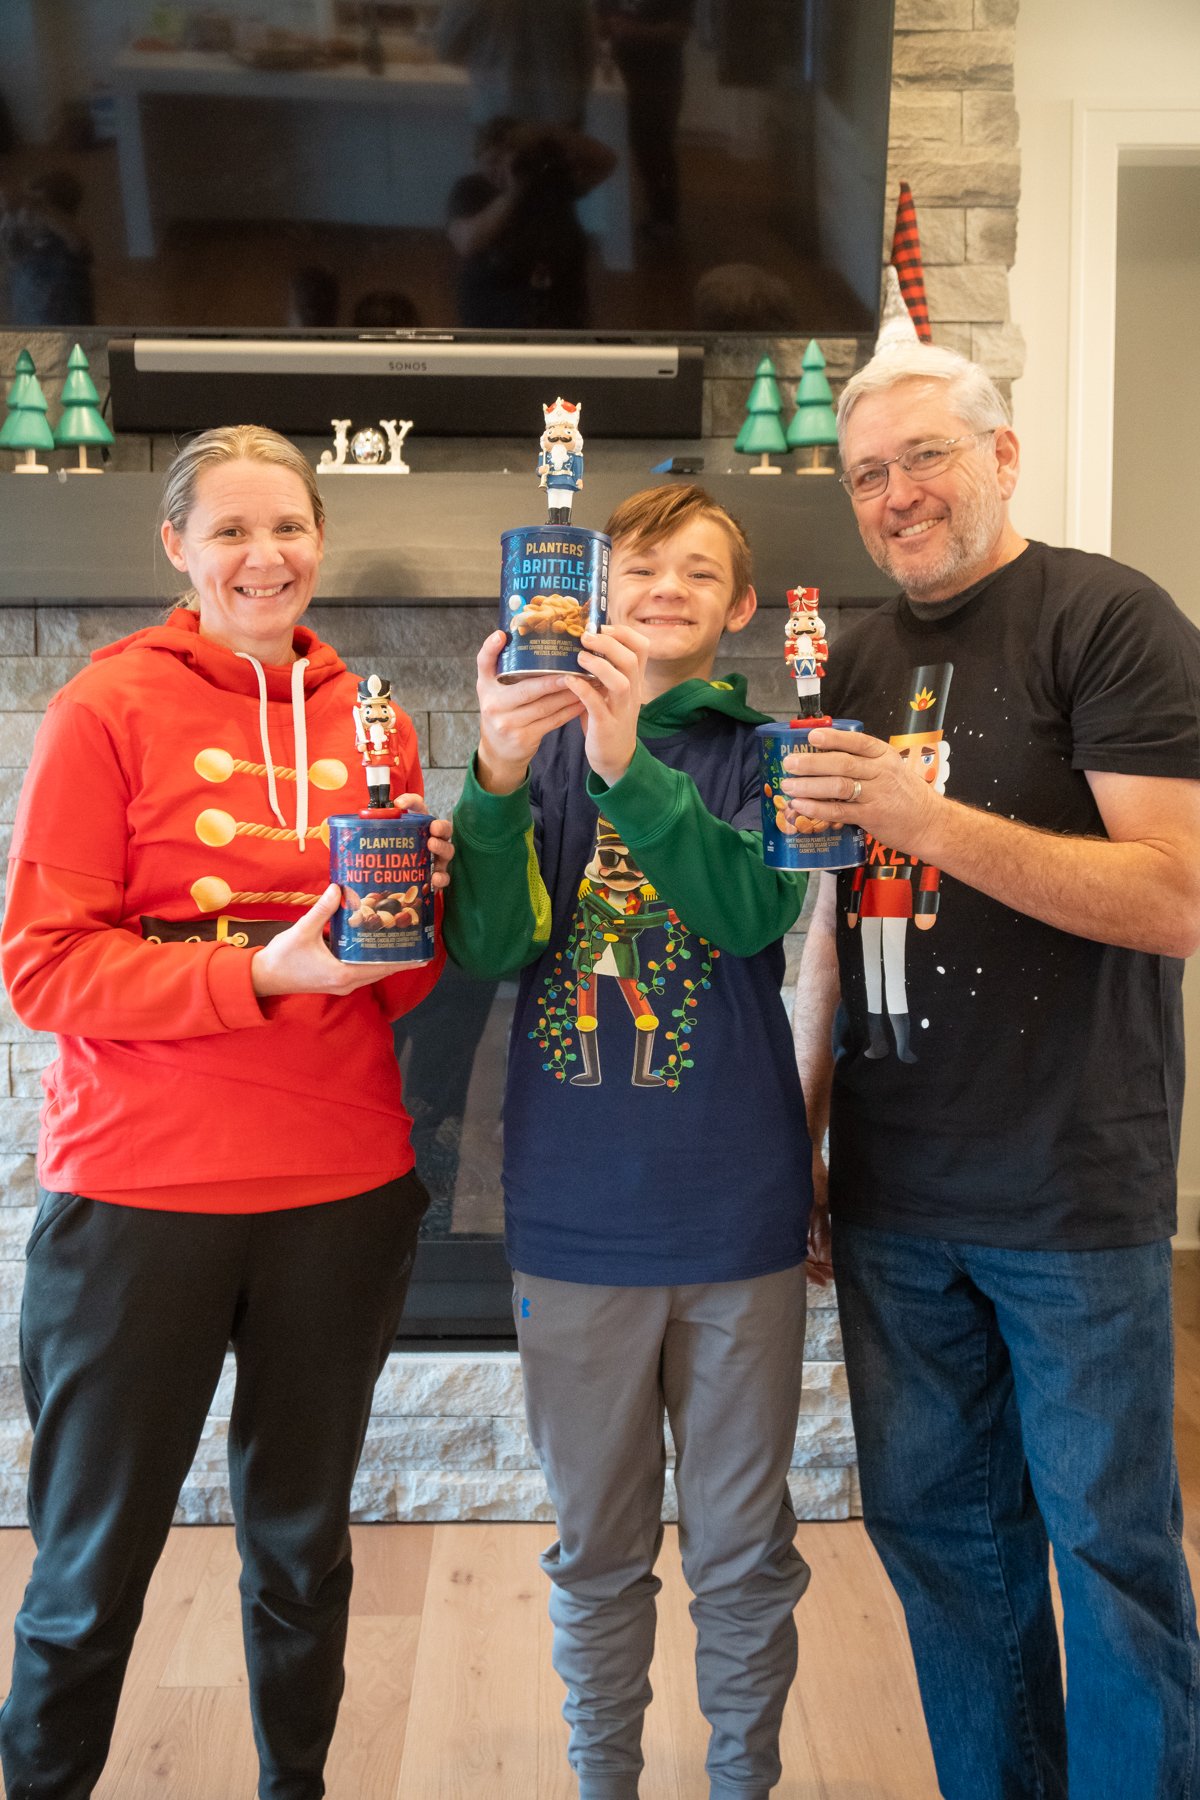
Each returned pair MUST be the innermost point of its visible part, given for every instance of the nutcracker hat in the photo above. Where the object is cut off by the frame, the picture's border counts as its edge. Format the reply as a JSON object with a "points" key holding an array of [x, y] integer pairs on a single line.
{"points": [[374, 687], [563, 412], [924, 705], [803, 599]]}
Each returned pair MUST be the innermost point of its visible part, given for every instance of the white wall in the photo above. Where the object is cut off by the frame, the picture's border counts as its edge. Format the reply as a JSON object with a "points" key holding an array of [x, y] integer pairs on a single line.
{"points": [[1143, 55], [1156, 415], [1136, 56], [1157, 405]]}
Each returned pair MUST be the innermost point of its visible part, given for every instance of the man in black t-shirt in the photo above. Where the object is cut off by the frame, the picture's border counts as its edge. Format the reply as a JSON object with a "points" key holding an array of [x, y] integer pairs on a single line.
{"points": [[1003, 1095]]}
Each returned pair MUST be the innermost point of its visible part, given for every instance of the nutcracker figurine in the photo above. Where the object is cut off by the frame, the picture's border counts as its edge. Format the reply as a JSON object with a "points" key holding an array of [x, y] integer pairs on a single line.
{"points": [[375, 737], [792, 840], [560, 466], [805, 650]]}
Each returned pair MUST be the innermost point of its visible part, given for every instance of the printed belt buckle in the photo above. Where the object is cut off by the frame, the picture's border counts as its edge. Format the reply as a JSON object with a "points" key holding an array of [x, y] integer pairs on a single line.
{"points": [[221, 928]]}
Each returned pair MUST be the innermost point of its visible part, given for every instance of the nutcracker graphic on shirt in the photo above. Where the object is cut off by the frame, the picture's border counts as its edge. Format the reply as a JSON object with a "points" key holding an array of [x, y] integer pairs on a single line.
{"points": [[624, 937], [892, 889]]}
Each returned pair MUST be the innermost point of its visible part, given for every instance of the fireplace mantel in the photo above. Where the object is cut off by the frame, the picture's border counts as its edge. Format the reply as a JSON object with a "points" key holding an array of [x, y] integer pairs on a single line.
{"points": [[425, 540]]}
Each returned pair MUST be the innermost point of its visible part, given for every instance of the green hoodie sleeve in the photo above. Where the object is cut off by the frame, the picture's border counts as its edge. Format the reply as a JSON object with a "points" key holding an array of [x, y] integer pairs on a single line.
{"points": [[497, 910], [715, 876]]}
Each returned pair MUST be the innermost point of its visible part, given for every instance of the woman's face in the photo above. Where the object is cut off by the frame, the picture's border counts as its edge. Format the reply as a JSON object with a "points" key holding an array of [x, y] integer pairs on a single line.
{"points": [[252, 549]]}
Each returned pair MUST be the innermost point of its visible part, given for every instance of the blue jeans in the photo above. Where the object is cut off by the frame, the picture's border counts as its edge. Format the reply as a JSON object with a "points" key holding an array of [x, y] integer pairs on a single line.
{"points": [[1005, 1401]]}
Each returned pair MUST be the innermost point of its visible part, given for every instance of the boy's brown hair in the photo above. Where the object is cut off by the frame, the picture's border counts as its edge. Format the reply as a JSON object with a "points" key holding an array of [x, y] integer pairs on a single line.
{"points": [[656, 513]]}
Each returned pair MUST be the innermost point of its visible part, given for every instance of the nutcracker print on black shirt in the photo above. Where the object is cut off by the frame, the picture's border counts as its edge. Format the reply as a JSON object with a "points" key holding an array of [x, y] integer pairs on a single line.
{"points": [[893, 889]]}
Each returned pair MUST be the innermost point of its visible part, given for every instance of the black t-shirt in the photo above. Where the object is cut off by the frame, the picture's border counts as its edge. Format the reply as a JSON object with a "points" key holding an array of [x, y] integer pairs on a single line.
{"points": [[1042, 1108]]}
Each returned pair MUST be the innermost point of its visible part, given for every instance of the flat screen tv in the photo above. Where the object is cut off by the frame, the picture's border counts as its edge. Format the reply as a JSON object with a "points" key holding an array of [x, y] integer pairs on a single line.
{"points": [[627, 167]]}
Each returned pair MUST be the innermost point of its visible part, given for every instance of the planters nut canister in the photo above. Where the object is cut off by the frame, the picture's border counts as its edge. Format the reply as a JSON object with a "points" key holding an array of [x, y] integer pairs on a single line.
{"points": [[383, 867], [553, 587], [792, 841]]}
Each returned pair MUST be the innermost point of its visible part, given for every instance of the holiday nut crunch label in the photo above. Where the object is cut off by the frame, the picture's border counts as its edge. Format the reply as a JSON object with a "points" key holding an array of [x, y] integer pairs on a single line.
{"points": [[384, 868]]}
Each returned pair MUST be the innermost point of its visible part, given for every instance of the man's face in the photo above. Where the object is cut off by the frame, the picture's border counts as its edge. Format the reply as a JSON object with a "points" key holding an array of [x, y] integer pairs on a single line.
{"points": [[934, 538]]}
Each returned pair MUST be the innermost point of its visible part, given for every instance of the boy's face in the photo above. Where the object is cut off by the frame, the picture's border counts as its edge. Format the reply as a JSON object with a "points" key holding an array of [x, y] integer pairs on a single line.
{"points": [[679, 593]]}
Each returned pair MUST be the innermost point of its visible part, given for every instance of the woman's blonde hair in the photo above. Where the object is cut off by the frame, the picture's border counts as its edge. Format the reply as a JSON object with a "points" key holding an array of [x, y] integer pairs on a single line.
{"points": [[227, 444]]}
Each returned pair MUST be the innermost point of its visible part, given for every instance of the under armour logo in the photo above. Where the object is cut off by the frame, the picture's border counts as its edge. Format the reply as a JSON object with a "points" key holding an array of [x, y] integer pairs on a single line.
{"points": [[525, 1308]]}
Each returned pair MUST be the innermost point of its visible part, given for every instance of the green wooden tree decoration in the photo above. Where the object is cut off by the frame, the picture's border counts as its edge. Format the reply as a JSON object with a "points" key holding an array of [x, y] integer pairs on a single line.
{"points": [[813, 422], [25, 426], [81, 423], [763, 431], [20, 381]]}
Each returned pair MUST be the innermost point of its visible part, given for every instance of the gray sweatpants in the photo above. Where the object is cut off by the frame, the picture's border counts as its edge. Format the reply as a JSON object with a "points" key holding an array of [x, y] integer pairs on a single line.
{"points": [[723, 1361]]}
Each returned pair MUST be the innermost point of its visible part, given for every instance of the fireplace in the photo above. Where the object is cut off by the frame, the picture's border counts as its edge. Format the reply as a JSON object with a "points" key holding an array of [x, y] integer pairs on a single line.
{"points": [[452, 1050]]}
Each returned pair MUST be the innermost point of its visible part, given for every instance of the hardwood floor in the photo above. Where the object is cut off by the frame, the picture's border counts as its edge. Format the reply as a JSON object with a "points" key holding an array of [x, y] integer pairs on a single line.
{"points": [[450, 1694]]}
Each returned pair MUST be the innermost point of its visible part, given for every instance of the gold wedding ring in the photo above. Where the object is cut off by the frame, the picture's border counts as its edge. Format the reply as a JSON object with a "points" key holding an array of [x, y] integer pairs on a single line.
{"points": [[855, 791]]}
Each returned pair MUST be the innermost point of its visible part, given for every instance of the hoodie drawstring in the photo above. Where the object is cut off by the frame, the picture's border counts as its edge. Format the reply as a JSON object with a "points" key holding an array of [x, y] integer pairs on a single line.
{"points": [[300, 730]]}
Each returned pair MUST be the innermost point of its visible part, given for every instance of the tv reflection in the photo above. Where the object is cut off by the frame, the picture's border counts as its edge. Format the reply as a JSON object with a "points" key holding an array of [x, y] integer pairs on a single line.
{"points": [[646, 40], [513, 219]]}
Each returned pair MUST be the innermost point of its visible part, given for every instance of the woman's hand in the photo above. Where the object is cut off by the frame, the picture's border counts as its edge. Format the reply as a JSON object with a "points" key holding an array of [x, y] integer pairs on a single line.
{"points": [[299, 961], [514, 717]]}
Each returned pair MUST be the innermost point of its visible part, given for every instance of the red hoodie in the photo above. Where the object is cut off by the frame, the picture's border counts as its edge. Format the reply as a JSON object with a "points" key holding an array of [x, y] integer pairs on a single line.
{"points": [[162, 797]]}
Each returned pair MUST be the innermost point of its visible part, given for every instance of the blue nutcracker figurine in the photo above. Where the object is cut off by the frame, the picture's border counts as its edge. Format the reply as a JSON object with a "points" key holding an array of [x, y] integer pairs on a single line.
{"points": [[560, 465]]}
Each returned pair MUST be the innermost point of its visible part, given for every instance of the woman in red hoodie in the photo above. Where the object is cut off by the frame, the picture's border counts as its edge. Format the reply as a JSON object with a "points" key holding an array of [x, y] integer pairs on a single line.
{"points": [[224, 1152]]}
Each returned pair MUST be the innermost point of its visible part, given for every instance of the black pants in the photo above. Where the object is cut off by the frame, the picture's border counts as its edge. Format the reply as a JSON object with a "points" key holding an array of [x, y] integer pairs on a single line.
{"points": [[125, 1320]]}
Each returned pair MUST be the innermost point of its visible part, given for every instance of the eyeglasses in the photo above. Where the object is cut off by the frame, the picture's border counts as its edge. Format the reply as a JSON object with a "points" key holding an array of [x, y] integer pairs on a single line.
{"points": [[921, 463]]}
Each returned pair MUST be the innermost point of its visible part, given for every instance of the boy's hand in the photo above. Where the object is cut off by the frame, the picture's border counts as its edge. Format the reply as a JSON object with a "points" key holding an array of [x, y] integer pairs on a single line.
{"points": [[615, 659], [514, 717], [441, 844]]}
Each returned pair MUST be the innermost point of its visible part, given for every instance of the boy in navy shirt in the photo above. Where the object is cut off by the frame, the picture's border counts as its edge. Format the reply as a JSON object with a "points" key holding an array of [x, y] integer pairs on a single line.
{"points": [[657, 1170]]}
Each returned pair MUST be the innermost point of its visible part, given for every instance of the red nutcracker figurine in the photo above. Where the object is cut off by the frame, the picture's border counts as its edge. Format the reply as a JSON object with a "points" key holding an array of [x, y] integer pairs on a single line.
{"points": [[375, 738], [805, 650]]}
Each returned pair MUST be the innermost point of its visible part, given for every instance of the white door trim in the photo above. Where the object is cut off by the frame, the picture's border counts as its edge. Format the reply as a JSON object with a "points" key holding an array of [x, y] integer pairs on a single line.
{"points": [[1105, 135]]}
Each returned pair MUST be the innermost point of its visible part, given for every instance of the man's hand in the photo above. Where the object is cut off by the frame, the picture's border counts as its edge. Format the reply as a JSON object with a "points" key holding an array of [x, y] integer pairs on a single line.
{"points": [[299, 961], [514, 717], [615, 659], [860, 780]]}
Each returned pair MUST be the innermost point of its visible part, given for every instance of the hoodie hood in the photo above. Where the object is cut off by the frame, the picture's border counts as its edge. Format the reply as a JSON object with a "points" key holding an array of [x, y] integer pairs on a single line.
{"points": [[680, 706], [237, 672], [231, 670]]}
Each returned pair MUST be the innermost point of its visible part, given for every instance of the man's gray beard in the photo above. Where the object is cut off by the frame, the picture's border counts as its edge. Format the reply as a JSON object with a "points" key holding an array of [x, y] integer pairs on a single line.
{"points": [[976, 524]]}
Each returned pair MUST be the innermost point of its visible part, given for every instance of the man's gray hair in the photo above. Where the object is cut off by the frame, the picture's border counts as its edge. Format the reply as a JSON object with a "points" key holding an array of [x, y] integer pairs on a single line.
{"points": [[972, 392]]}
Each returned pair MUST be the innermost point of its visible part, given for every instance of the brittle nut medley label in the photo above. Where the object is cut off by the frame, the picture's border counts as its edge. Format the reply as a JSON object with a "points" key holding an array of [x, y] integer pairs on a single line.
{"points": [[553, 587]]}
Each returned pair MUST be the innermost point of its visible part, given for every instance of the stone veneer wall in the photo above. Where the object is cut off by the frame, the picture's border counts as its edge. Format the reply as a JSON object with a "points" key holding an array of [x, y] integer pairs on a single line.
{"points": [[447, 1438]]}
